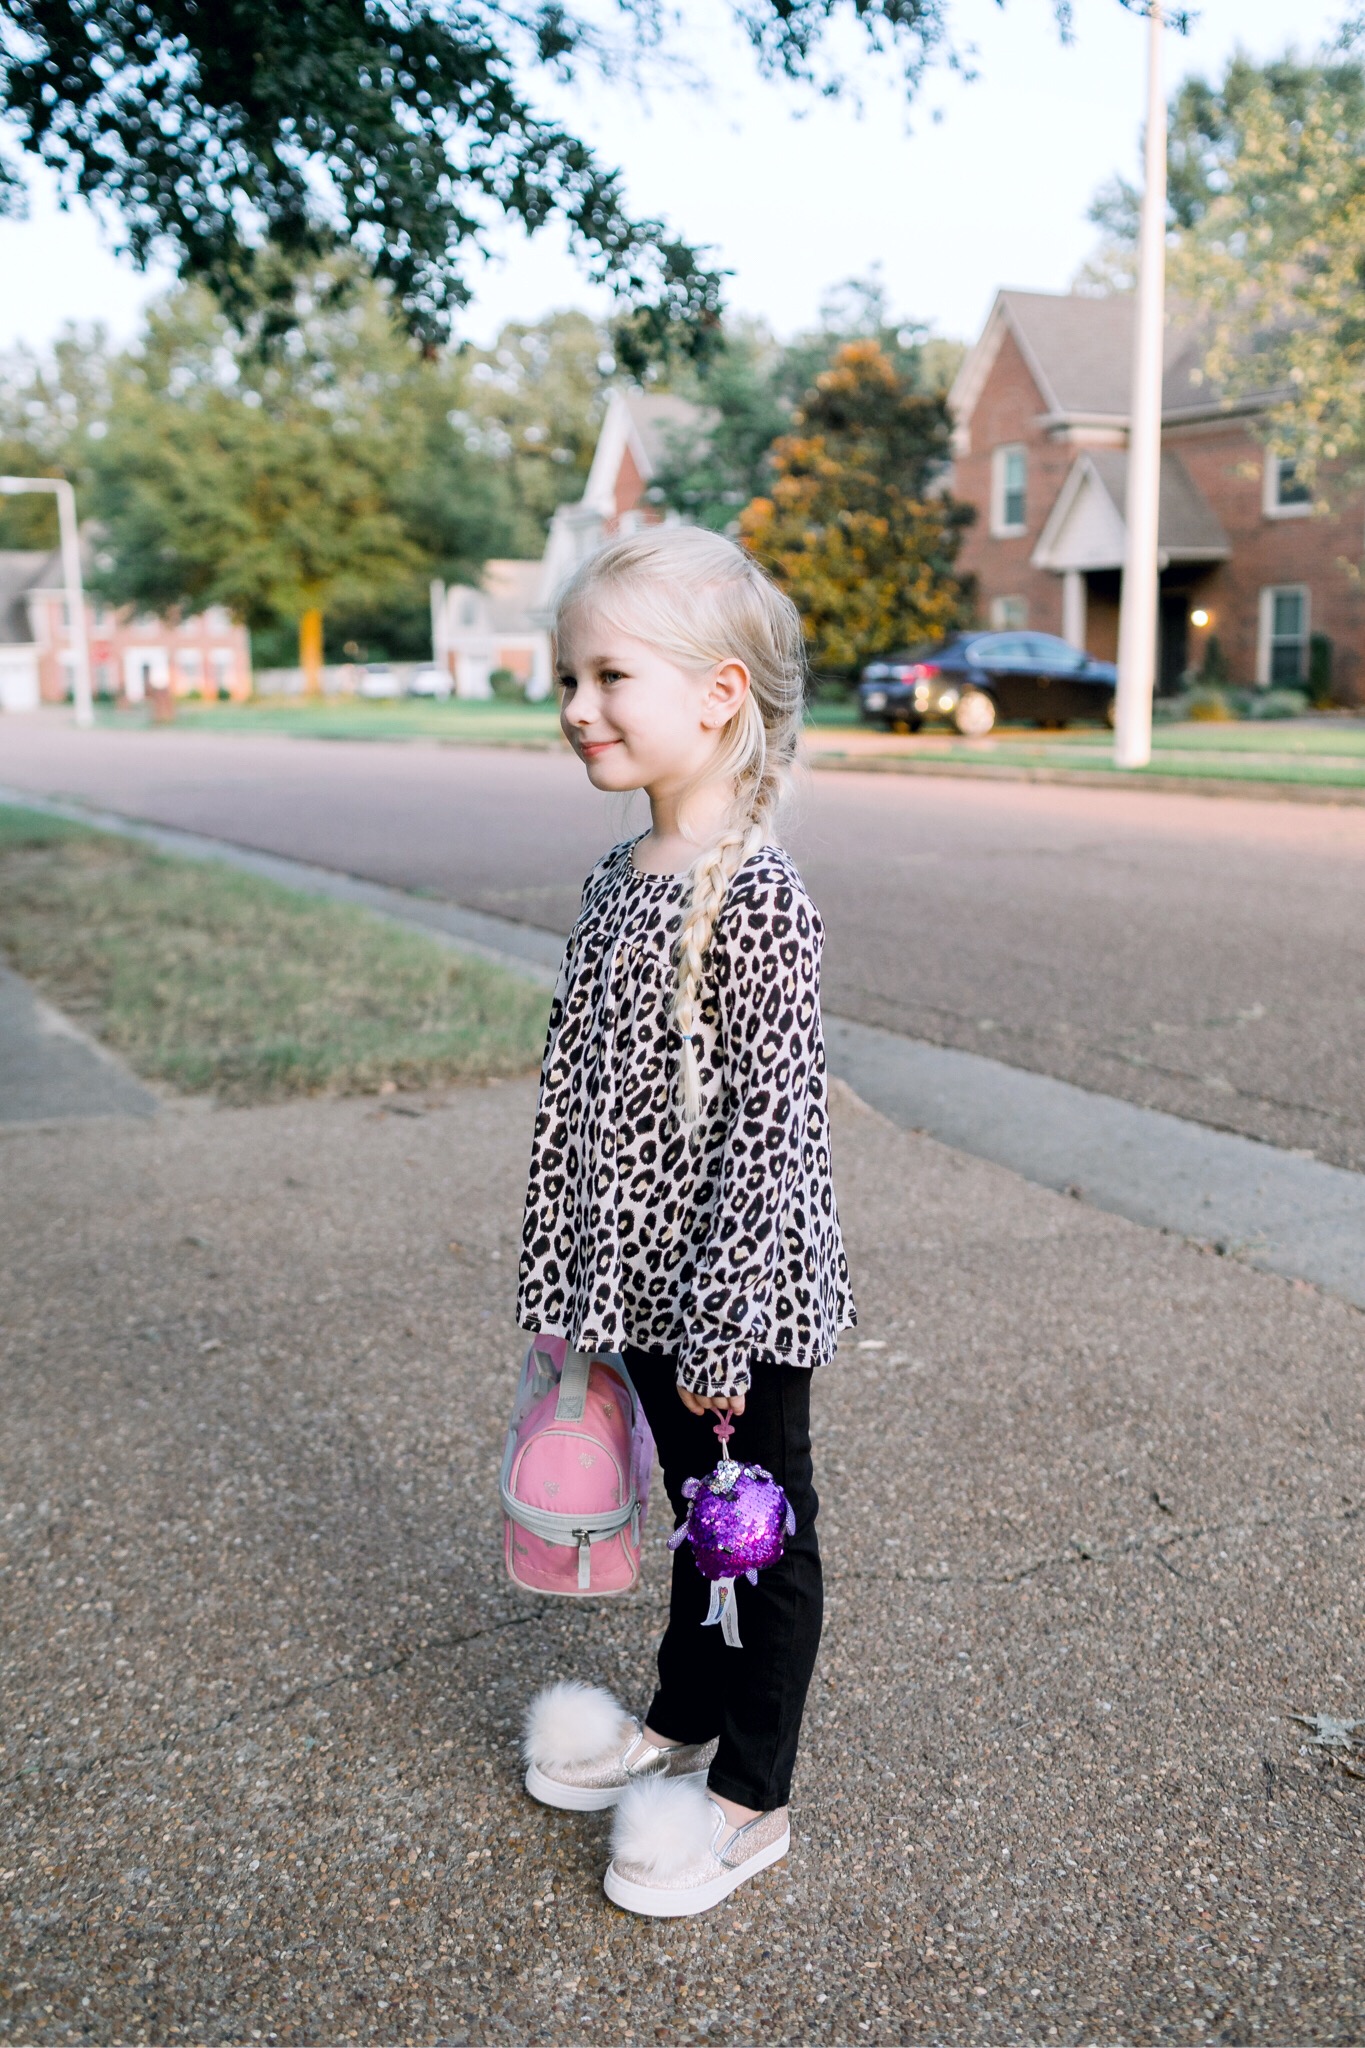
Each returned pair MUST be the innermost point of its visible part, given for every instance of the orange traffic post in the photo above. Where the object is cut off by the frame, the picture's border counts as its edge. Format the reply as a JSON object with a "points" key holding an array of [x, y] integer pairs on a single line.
{"points": [[310, 651]]}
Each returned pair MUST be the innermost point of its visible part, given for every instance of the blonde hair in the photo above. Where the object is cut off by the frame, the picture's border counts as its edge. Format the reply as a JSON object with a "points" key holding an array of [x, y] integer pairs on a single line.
{"points": [[701, 600]]}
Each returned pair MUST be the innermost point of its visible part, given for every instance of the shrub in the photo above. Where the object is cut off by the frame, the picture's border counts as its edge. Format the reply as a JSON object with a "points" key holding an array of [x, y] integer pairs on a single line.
{"points": [[507, 683], [1279, 704], [1213, 669], [1208, 707], [1320, 670]]}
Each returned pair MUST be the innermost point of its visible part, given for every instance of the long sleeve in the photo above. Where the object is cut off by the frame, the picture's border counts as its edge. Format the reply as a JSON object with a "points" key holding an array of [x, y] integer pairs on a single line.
{"points": [[765, 964]]}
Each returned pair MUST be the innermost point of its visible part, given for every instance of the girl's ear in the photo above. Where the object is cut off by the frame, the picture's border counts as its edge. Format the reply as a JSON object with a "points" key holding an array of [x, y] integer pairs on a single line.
{"points": [[728, 688]]}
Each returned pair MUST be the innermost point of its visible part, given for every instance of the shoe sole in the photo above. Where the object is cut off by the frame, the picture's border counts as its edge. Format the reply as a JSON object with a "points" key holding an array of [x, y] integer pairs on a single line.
{"points": [[582, 1798], [658, 1903]]}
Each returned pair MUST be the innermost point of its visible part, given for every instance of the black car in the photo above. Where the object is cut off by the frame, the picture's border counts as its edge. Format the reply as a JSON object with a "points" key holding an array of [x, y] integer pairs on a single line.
{"points": [[976, 678]]}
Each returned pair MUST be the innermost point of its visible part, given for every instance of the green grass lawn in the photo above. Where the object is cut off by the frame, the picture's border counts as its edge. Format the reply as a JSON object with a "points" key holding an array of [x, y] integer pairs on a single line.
{"points": [[217, 982], [1304, 751], [497, 722], [1291, 751]]}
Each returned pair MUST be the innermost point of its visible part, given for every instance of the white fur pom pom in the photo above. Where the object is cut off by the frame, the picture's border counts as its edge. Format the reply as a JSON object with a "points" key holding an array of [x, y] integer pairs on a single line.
{"points": [[663, 1825], [572, 1723]]}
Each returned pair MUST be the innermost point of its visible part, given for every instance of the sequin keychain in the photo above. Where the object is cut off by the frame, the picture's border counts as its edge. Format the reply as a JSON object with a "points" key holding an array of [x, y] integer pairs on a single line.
{"points": [[737, 1520]]}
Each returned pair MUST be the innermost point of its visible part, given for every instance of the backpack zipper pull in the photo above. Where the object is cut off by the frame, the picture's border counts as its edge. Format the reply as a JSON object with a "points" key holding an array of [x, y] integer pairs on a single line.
{"points": [[584, 1561]]}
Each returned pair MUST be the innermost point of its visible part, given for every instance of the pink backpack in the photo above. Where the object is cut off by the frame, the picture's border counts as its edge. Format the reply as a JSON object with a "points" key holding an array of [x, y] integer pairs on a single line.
{"points": [[575, 1473]]}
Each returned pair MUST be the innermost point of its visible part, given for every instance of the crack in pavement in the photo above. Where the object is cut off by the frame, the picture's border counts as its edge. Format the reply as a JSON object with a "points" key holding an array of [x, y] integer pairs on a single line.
{"points": [[182, 1738], [1078, 1552]]}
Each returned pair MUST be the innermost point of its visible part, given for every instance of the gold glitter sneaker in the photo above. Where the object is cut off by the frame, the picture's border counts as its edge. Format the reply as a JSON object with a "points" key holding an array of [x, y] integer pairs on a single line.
{"points": [[674, 1851], [583, 1750]]}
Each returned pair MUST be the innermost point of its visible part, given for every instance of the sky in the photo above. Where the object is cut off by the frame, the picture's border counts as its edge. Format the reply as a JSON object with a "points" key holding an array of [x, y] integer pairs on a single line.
{"points": [[980, 184]]}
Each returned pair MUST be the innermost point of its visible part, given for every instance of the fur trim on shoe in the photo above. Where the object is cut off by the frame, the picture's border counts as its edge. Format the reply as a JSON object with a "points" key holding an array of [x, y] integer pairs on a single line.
{"points": [[572, 1723], [664, 1826]]}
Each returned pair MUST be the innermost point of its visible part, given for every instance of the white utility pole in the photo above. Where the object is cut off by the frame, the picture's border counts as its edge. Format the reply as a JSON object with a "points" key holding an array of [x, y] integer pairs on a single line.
{"points": [[440, 651], [12, 487], [1141, 581]]}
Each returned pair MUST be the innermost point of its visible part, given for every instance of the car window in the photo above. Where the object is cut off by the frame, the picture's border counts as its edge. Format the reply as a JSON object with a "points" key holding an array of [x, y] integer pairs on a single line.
{"points": [[1003, 650], [1055, 653]]}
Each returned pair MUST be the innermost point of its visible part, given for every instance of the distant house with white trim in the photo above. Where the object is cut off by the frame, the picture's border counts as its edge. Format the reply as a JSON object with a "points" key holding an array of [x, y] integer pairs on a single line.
{"points": [[130, 651], [1041, 450], [504, 622]]}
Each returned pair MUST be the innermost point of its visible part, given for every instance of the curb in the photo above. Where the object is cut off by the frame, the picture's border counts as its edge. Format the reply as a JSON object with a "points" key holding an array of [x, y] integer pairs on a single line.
{"points": [[1084, 778]]}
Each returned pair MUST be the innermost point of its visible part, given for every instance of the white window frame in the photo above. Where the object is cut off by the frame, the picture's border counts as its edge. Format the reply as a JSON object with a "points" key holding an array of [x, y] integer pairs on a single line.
{"points": [[1009, 614], [1270, 492], [999, 467], [1265, 637]]}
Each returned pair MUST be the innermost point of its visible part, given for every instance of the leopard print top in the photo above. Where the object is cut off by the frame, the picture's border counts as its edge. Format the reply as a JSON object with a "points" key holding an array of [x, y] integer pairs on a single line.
{"points": [[725, 1251]]}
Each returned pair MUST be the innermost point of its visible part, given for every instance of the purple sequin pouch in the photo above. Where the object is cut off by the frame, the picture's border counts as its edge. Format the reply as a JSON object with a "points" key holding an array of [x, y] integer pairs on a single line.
{"points": [[737, 1521]]}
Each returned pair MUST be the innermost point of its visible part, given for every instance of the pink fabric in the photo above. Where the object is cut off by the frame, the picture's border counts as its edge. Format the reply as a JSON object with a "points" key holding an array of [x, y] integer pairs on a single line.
{"points": [[584, 1469]]}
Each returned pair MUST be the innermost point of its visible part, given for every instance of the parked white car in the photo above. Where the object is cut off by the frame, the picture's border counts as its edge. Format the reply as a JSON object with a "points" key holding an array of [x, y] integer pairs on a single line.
{"points": [[431, 681], [379, 680]]}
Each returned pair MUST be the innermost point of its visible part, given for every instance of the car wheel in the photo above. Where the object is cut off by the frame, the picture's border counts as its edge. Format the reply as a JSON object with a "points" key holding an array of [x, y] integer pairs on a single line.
{"points": [[1111, 712], [905, 724], [974, 714]]}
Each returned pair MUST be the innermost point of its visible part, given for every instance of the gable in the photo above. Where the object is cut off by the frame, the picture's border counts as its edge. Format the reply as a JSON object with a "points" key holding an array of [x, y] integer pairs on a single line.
{"points": [[994, 378], [1087, 528]]}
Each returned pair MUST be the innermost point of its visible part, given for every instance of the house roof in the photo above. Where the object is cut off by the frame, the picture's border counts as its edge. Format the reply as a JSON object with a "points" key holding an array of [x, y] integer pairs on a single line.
{"points": [[1086, 528], [1079, 351], [643, 422], [657, 416]]}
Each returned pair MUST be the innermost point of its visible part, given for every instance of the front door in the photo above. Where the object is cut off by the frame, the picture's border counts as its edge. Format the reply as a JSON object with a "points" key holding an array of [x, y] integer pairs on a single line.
{"points": [[1173, 653]]}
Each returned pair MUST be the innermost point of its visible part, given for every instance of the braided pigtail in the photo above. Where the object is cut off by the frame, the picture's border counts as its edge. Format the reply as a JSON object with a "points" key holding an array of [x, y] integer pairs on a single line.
{"points": [[711, 879], [759, 785], [702, 600]]}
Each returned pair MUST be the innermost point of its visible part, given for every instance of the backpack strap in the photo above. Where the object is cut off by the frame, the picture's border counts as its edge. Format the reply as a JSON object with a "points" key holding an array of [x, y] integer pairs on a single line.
{"points": [[573, 1387]]}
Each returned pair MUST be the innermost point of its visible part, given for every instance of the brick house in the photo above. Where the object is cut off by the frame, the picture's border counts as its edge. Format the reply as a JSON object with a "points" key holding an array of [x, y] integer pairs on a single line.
{"points": [[505, 621], [1041, 425], [631, 448], [130, 652]]}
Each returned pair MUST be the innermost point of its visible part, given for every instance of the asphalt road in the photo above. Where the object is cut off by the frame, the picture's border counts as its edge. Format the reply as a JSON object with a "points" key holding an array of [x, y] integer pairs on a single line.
{"points": [[1202, 956]]}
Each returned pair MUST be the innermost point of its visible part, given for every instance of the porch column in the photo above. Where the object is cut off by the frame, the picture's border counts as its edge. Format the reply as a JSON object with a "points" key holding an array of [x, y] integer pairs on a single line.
{"points": [[1073, 606]]}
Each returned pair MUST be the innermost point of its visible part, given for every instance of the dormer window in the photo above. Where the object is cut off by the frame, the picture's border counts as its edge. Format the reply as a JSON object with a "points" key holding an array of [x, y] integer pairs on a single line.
{"points": [[1285, 495], [1009, 491]]}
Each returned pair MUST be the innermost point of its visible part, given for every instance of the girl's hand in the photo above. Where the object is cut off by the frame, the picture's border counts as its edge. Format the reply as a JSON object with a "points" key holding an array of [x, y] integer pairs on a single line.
{"points": [[716, 1404]]}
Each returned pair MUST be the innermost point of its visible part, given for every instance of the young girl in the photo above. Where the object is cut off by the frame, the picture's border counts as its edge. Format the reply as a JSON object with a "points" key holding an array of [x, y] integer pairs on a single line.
{"points": [[680, 1209]]}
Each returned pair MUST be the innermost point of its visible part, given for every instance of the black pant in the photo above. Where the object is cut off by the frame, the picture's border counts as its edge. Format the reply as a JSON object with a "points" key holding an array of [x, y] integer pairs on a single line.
{"points": [[752, 1698]]}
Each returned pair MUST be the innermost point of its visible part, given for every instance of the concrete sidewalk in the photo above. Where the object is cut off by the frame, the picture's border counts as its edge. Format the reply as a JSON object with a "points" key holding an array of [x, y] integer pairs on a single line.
{"points": [[49, 1068], [1093, 1511]]}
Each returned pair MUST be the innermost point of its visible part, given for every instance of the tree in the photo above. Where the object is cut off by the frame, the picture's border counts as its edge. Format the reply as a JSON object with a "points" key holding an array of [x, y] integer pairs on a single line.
{"points": [[1267, 227], [281, 483], [52, 410], [400, 128], [533, 403], [857, 527], [749, 390], [711, 470]]}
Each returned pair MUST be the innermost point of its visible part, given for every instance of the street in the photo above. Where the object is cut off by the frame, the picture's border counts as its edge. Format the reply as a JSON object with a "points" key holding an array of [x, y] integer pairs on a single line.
{"points": [[1201, 956]]}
